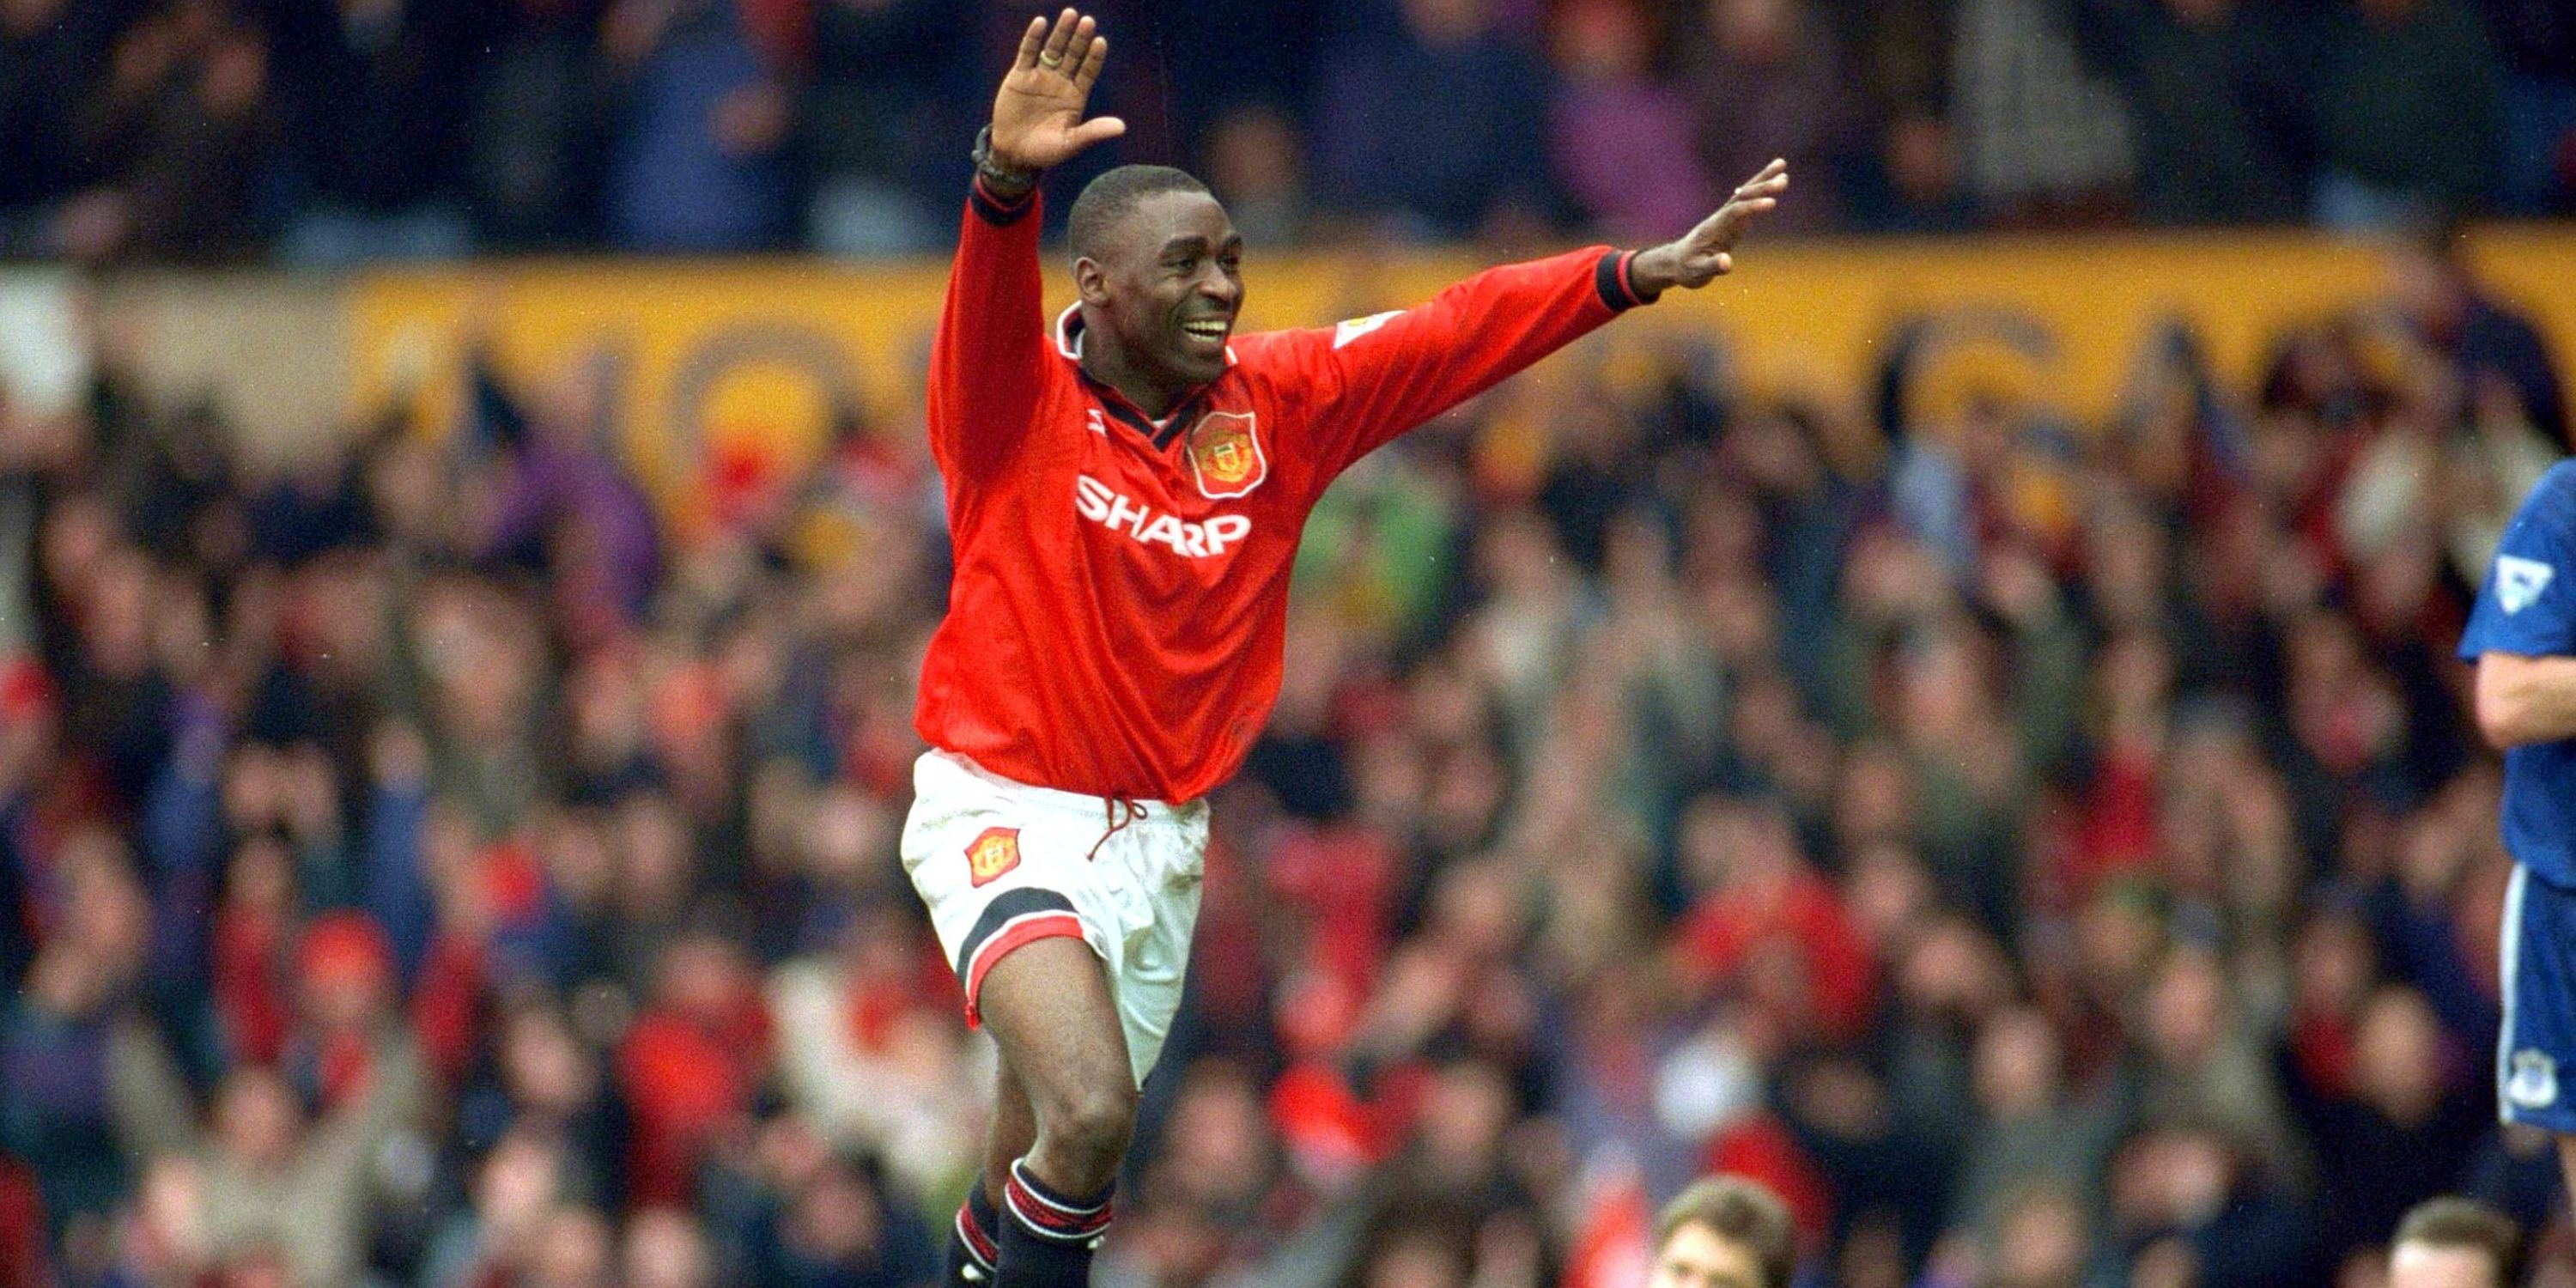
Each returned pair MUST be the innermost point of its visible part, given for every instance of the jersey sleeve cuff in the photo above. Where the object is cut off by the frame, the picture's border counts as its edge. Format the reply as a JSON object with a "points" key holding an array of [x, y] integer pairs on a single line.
{"points": [[1610, 277], [994, 210]]}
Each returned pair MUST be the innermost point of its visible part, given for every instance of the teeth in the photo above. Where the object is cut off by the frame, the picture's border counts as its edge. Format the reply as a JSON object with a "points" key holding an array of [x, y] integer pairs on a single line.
{"points": [[1208, 330]]}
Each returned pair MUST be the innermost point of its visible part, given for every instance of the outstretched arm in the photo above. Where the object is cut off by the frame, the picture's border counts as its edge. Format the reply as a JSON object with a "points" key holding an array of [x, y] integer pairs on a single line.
{"points": [[988, 358], [1383, 375]]}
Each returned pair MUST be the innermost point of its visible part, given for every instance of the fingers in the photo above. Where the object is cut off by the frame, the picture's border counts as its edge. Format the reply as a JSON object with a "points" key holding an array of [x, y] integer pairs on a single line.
{"points": [[1771, 182], [1078, 50], [1058, 36], [1088, 70], [1754, 196], [1067, 29], [1031, 41]]}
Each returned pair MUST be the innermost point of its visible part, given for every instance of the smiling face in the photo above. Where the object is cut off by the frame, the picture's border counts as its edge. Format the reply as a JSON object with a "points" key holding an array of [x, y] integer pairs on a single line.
{"points": [[1163, 286]]}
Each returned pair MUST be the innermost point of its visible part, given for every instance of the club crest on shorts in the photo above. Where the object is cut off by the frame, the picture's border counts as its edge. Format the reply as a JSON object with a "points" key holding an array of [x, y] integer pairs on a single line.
{"points": [[994, 851], [2533, 1084], [1225, 455]]}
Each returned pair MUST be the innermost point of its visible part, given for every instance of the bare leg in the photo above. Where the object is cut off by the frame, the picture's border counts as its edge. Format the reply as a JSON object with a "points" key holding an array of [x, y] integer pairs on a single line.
{"points": [[1047, 1003], [1013, 1133], [974, 1244], [2567, 1164]]}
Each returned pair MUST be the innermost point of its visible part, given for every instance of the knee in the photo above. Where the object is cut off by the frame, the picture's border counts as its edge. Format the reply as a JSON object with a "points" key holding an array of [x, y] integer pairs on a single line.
{"points": [[1092, 1124]]}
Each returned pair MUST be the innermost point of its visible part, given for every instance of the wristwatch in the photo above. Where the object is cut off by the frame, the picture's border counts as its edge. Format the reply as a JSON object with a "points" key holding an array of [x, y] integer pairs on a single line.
{"points": [[1007, 177]]}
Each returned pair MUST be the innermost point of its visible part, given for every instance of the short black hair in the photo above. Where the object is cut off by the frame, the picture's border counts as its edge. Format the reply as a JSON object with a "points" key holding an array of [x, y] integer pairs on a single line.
{"points": [[1107, 199], [1740, 1212], [2453, 1222]]}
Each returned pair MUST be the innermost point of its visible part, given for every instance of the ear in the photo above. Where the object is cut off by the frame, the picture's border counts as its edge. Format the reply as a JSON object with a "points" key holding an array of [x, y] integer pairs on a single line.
{"points": [[1091, 281]]}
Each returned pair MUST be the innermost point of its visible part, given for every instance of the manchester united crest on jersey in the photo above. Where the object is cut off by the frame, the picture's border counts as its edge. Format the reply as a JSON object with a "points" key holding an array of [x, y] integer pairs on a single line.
{"points": [[994, 851], [1225, 455]]}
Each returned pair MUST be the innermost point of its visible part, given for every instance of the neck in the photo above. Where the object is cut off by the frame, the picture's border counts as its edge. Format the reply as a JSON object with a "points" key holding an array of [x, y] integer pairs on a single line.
{"points": [[1103, 360]]}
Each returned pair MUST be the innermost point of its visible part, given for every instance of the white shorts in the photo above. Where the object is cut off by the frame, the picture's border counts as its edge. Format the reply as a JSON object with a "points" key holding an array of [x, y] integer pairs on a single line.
{"points": [[1001, 864]]}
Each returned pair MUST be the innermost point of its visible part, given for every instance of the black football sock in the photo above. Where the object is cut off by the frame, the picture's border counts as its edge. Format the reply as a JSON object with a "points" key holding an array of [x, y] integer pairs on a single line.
{"points": [[1047, 1237], [974, 1241]]}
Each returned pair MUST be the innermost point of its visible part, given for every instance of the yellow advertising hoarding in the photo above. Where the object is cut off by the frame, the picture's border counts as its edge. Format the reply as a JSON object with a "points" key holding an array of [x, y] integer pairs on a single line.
{"points": [[712, 361]]}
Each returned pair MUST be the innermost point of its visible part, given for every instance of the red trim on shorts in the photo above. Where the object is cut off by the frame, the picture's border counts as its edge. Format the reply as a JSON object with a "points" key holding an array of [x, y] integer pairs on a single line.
{"points": [[1018, 933]]}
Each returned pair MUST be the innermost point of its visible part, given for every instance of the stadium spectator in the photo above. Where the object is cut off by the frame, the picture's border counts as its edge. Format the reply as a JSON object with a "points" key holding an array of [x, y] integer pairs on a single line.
{"points": [[184, 128], [1621, 135], [1430, 127], [1767, 80], [881, 102], [2187, 1206], [533, 171], [375, 95], [2403, 1135], [2041, 138], [690, 1065], [2394, 76], [1911, 181], [341, 131], [2215, 105], [1907, 172], [1724, 1232], [277, 1186], [565, 508], [834, 1227], [2040, 1241], [664, 1248], [697, 159], [487, 1235], [2033, 1132], [549, 1085], [50, 55], [1257, 166], [868, 1058], [2455, 1243], [94, 1091], [23, 1259], [2437, 294], [2536, 42]]}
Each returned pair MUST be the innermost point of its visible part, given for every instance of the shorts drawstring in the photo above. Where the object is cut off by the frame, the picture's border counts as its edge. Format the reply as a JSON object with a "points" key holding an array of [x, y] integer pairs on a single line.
{"points": [[1116, 812]]}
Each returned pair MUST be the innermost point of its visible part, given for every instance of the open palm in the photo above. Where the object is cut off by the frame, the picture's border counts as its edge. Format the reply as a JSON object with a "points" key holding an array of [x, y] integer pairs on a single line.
{"points": [[1037, 116], [1708, 250]]}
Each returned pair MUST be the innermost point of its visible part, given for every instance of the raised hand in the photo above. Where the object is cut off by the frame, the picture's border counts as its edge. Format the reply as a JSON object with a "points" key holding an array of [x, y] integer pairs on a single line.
{"points": [[1705, 253], [1037, 116]]}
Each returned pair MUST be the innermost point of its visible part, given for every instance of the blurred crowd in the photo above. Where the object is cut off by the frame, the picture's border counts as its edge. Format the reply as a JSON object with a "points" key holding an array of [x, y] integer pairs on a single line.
{"points": [[328, 132], [2051, 854]]}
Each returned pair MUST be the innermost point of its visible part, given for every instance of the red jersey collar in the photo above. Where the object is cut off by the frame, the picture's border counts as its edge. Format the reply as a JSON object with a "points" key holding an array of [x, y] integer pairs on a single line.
{"points": [[1068, 345]]}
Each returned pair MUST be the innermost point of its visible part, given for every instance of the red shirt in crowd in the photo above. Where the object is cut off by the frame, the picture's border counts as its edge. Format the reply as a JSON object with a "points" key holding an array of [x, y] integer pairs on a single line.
{"points": [[1119, 605]]}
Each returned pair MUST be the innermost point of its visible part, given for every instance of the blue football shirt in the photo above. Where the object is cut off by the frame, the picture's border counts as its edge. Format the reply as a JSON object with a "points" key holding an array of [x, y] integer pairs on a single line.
{"points": [[2528, 607]]}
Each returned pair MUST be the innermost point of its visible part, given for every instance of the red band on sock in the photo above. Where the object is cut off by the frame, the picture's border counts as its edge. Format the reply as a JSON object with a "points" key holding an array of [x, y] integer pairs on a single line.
{"points": [[979, 1245], [1051, 1217]]}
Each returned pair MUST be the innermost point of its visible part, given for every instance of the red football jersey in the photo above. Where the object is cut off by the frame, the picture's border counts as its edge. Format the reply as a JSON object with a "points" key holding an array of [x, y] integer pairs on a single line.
{"points": [[1119, 604]]}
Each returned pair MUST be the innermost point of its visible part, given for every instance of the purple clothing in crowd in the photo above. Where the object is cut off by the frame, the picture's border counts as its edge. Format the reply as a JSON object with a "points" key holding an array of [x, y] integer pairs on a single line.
{"points": [[1624, 149], [556, 483], [1796, 104]]}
